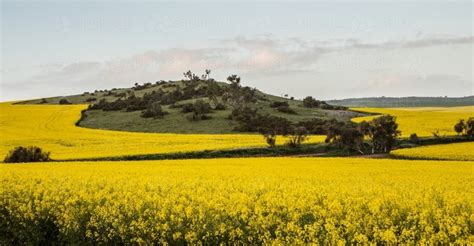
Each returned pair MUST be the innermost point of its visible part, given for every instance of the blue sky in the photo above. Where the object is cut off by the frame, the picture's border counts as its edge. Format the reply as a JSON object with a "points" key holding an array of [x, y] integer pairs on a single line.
{"points": [[324, 49]]}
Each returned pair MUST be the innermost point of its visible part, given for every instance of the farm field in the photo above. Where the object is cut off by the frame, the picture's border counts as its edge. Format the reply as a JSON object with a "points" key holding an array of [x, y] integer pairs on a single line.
{"points": [[252, 201], [453, 151], [423, 120], [277, 123], [53, 128]]}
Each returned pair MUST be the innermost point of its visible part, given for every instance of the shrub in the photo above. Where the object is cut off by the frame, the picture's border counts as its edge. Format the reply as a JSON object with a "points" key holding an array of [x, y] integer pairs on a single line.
{"points": [[91, 99], [43, 101], [26, 154], [64, 101], [220, 106], [279, 104], [310, 102], [155, 110], [285, 109], [199, 107], [187, 108], [197, 117], [414, 138]]}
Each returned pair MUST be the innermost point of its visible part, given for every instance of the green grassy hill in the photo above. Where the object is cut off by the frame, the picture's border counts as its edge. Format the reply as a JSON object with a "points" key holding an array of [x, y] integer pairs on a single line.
{"points": [[175, 121]]}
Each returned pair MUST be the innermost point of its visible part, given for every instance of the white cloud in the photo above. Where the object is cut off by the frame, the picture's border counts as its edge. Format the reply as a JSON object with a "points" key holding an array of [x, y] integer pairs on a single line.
{"points": [[261, 58]]}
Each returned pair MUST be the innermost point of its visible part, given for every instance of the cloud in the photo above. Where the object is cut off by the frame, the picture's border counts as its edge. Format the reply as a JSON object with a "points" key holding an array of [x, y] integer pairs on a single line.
{"points": [[267, 54], [425, 42], [412, 85], [259, 57]]}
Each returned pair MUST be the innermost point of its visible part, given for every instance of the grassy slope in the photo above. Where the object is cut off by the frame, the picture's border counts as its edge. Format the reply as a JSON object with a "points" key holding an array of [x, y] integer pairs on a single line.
{"points": [[176, 122]]}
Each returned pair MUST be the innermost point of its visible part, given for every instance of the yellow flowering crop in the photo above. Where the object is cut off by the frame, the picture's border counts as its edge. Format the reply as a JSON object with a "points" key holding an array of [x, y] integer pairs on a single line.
{"points": [[452, 151], [52, 127], [422, 120], [239, 201]]}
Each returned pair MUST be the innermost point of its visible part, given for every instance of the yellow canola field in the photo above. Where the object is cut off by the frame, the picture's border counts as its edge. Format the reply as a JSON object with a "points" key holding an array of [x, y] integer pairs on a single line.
{"points": [[240, 201], [453, 151], [52, 127], [423, 120]]}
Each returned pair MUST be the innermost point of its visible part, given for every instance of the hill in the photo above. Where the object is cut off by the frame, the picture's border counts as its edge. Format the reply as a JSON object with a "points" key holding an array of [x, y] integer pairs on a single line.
{"points": [[193, 106], [395, 102]]}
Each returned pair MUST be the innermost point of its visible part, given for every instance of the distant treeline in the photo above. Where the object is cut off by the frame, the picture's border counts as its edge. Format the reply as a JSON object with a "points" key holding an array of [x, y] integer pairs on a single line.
{"points": [[387, 102]]}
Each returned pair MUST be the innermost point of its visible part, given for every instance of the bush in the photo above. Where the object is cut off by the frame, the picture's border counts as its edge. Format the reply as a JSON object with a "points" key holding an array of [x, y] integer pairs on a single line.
{"points": [[64, 101], [310, 102], [197, 117], [91, 99], [279, 104], [220, 106], [198, 108], [155, 110], [201, 107], [26, 154], [187, 107], [285, 109], [414, 138]]}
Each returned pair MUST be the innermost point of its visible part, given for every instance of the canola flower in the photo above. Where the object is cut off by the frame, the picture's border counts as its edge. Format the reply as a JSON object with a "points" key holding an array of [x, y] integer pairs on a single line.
{"points": [[52, 127], [423, 120], [238, 201], [452, 151]]}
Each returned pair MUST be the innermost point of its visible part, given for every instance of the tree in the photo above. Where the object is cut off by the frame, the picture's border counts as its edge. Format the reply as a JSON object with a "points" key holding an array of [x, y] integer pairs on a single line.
{"points": [[270, 138], [236, 95], [297, 136], [27, 154], [207, 75], [347, 136], [383, 132], [213, 92], [271, 126], [234, 79], [190, 76], [460, 127], [470, 127]]}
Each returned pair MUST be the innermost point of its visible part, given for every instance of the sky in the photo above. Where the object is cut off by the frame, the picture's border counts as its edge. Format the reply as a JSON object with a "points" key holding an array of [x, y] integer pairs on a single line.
{"points": [[324, 49]]}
